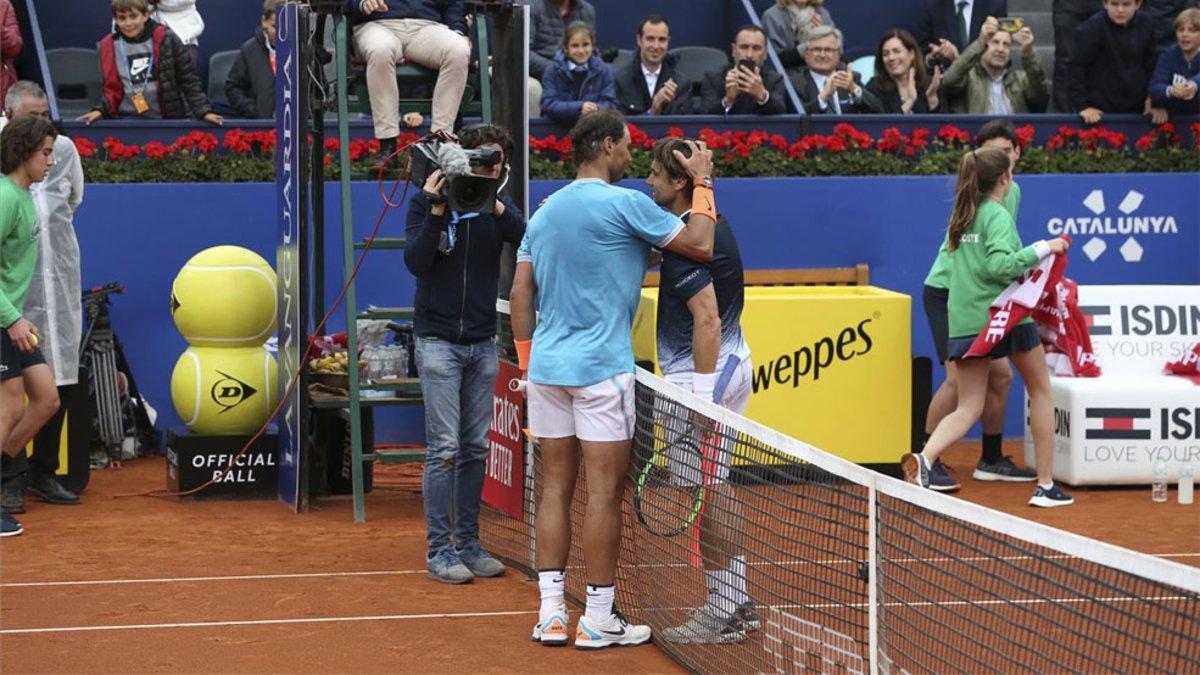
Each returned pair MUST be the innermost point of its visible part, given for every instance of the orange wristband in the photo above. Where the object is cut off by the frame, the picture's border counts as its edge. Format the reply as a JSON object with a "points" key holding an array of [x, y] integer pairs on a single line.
{"points": [[704, 203], [524, 347]]}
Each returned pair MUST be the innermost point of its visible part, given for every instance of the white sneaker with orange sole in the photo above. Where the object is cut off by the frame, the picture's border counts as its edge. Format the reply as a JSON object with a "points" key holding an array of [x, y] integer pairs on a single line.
{"points": [[551, 630], [613, 632]]}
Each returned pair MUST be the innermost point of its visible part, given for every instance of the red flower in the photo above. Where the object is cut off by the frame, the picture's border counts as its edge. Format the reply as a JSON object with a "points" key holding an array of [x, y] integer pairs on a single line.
{"points": [[639, 138], [1025, 135], [1145, 142], [85, 147], [197, 140], [332, 145], [779, 142], [675, 132], [156, 150], [359, 148]]}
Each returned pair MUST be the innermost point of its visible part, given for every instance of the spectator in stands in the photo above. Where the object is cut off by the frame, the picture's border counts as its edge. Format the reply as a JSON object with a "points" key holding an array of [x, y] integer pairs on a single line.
{"points": [[985, 81], [1177, 75], [52, 305], [10, 46], [650, 84], [789, 23], [250, 86], [432, 33], [1112, 59], [579, 82], [146, 71], [1067, 15], [946, 27], [744, 88], [901, 84], [825, 84], [182, 17], [549, 20], [455, 258], [1162, 13]]}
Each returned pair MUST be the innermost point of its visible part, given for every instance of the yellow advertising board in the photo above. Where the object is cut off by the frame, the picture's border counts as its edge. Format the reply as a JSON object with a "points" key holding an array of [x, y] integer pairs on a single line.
{"points": [[832, 365]]}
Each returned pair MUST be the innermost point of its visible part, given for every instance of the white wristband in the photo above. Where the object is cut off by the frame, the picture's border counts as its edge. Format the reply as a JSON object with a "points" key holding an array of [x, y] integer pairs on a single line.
{"points": [[703, 385], [1041, 248]]}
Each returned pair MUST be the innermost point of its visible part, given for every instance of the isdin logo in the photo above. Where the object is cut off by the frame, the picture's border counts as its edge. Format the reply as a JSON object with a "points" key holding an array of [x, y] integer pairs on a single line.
{"points": [[1131, 221]]}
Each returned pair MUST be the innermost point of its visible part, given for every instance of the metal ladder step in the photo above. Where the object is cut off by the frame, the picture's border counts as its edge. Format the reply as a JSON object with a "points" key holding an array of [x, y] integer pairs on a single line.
{"points": [[383, 243]]}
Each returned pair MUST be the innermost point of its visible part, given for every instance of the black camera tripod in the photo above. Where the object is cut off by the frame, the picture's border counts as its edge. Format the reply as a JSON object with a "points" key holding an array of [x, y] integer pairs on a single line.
{"points": [[111, 387]]}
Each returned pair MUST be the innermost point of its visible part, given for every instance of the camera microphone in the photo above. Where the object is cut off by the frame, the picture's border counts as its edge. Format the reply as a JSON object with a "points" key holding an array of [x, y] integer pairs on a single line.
{"points": [[454, 160]]}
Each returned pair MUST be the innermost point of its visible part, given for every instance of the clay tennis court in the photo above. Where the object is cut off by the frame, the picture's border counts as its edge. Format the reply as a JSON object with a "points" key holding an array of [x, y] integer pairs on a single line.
{"points": [[139, 584]]}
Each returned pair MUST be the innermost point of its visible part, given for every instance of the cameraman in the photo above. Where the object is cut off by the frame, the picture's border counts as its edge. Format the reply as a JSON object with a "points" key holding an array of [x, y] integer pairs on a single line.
{"points": [[456, 260]]}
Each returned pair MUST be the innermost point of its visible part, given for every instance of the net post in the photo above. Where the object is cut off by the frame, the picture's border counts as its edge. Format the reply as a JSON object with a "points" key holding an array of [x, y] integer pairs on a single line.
{"points": [[872, 579]]}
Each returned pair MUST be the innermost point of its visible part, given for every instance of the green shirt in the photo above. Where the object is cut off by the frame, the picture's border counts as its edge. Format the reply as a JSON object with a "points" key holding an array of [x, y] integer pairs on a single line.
{"points": [[989, 256], [939, 274], [19, 225]]}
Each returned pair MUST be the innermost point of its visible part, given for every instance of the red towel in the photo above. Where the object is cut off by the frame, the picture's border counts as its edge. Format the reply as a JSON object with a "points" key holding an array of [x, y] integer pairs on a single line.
{"points": [[1187, 365], [1064, 332], [1017, 302]]}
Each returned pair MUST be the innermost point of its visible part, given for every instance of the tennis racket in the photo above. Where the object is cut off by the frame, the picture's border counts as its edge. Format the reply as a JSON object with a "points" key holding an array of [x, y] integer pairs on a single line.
{"points": [[665, 502]]}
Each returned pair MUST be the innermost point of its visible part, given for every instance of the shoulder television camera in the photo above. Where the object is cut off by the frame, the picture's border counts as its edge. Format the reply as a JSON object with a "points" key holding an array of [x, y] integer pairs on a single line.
{"points": [[465, 191]]}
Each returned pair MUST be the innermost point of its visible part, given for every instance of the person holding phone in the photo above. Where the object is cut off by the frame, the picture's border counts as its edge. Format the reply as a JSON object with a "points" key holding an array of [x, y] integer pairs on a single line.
{"points": [[744, 88]]}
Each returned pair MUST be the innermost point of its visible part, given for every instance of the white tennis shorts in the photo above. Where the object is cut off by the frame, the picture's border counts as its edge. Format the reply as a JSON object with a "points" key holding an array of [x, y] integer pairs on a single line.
{"points": [[691, 453], [598, 412]]}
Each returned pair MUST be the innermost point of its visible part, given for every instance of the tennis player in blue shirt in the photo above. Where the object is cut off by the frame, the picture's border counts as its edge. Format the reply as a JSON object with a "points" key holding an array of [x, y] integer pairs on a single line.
{"points": [[583, 257]]}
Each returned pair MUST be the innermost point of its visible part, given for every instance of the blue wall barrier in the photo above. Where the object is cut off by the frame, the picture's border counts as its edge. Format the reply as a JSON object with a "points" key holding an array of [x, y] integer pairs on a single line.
{"points": [[893, 224]]}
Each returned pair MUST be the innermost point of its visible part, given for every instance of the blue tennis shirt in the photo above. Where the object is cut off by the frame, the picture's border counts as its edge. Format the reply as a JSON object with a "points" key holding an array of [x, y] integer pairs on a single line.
{"points": [[589, 243]]}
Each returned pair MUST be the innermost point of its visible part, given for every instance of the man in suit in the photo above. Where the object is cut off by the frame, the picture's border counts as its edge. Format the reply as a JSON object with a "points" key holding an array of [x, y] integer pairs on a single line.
{"points": [[741, 89], [826, 85], [946, 27], [649, 85]]}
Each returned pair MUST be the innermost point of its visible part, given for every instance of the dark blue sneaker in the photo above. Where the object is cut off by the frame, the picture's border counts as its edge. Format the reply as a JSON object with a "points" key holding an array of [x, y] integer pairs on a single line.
{"points": [[1003, 470], [9, 527], [446, 567], [916, 469], [940, 479], [1049, 498]]}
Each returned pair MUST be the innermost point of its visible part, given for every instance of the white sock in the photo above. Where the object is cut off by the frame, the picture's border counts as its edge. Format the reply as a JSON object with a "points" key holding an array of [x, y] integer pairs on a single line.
{"points": [[727, 588], [737, 572], [550, 583], [1046, 486], [599, 602]]}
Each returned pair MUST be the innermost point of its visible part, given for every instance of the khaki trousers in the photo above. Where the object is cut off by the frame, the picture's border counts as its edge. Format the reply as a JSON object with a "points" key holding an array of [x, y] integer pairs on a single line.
{"points": [[386, 42]]}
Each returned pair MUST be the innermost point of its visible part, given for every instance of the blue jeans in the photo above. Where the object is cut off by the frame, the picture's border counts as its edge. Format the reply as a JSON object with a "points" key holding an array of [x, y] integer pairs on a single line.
{"points": [[457, 383]]}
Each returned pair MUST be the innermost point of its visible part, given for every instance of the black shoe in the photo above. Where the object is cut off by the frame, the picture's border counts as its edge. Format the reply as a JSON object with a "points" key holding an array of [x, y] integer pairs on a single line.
{"points": [[14, 499], [1003, 470], [386, 162], [48, 490]]}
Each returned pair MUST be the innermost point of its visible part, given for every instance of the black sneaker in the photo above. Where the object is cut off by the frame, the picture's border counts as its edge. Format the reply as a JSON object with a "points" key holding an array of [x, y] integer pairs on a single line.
{"points": [[13, 499], [747, 613], [1003, 470], [48, 490], [940, 479]]}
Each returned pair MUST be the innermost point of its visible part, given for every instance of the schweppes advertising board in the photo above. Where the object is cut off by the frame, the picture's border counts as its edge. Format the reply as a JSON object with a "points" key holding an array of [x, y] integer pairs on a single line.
{"points": [[832, 365]]}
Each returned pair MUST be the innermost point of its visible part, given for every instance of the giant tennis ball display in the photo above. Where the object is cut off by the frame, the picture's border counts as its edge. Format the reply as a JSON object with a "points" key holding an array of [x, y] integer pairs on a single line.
{"points": [[224, 297], [225, 391]]}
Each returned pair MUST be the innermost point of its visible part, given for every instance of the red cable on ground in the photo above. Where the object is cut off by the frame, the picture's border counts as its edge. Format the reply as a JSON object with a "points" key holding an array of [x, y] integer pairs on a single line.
{"points": [[295, 379]]}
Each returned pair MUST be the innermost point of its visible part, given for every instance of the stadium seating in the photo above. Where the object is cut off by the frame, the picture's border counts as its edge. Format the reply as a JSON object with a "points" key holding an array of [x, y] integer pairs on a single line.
{"points": [[219, 65], [1112, 429], [76, 75]]}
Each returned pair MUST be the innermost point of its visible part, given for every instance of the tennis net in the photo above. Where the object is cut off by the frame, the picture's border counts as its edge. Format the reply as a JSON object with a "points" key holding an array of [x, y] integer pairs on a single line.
{"points": [[851, 570]]}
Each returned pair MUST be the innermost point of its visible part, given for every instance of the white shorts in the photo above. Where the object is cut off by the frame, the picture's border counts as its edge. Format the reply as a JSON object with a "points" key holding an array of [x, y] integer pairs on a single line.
{"points": [[691, 454], [598, 412]]}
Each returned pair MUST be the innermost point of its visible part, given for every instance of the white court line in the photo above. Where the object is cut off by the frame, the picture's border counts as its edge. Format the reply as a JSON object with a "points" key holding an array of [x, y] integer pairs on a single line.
{"points": [[316, 575], [261, 622], [234, 577]]}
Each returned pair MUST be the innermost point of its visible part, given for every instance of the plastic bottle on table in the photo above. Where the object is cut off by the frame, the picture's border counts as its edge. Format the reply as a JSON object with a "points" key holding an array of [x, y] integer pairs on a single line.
{"points": [[1158, 488], [1187, 479]]}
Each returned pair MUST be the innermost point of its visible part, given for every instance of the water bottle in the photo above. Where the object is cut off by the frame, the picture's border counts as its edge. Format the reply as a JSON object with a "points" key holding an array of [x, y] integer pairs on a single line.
{"points": [[403, 369], [374, 364], [391, 368], [1158, 489], [1187, 479]]}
